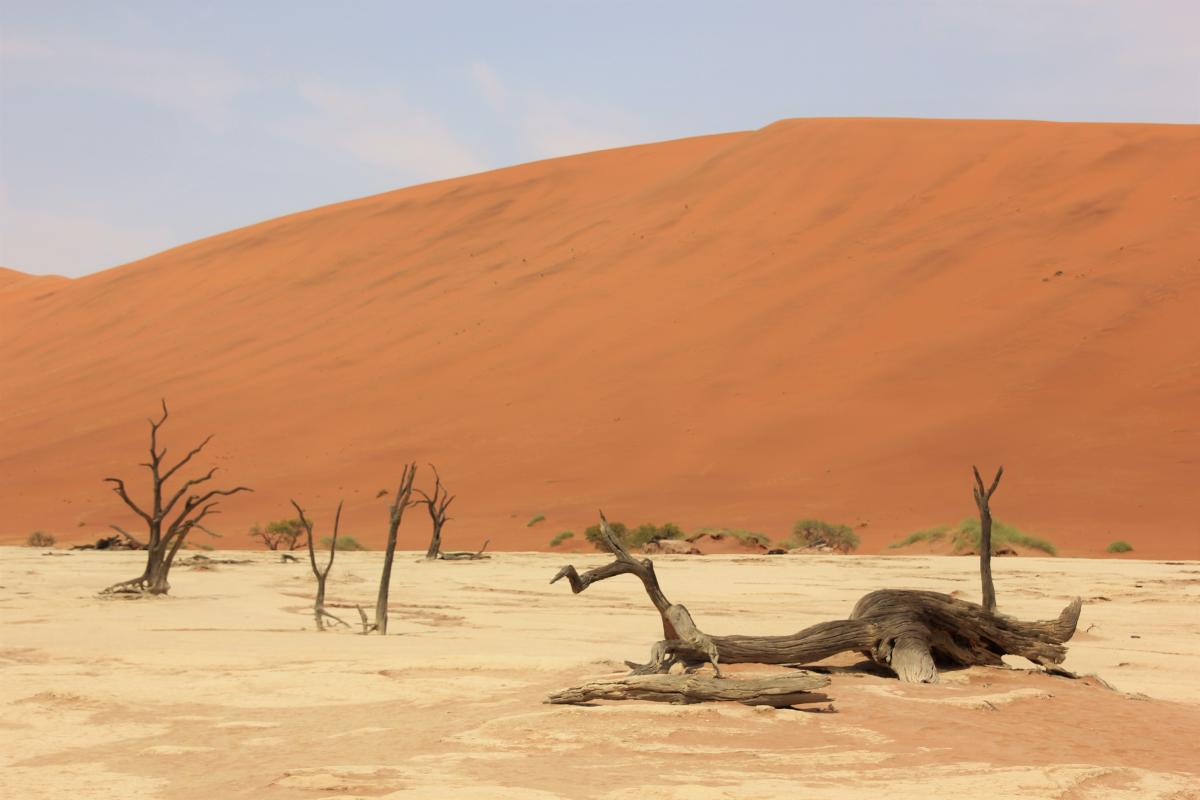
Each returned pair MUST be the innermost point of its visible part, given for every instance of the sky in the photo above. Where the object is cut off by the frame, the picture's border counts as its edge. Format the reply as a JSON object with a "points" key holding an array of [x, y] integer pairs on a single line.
{"points": [[127, 128]]}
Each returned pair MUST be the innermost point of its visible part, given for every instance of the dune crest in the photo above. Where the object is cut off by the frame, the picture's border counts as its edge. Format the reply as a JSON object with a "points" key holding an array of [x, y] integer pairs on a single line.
{"points": [[826, 318]]}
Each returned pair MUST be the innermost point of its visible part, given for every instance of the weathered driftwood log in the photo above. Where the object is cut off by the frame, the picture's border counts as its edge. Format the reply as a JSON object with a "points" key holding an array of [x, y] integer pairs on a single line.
{"points": [[122, 542], [908, 631], [778, 691], [466, 556]]}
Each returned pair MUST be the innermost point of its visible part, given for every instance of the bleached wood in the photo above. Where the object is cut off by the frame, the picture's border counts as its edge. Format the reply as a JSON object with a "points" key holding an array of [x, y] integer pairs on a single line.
{"points": [[777, 691], [908, 631]]}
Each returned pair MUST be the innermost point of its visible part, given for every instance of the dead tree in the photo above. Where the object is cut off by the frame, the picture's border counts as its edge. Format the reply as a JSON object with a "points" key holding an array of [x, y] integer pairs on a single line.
{"points": [[982, 497], [437, 506], [167, 533], [319, 612], [403, 500], [908, 631]]}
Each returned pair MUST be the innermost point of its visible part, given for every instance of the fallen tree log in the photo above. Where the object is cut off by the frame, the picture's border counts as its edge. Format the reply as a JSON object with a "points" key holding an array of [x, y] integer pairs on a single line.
{"points": [[778, 691], [908, 631], [122, 542], [477, 555]]}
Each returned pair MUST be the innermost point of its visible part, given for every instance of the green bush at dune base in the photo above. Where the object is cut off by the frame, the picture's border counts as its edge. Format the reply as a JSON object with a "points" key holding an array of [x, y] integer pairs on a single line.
{"points": [[818, 532], [39, 539], [965, 537], [561, 537], [636, 538]]}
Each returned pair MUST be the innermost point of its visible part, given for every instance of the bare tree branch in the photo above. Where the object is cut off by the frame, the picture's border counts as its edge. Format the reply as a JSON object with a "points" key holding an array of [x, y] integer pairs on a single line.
{"points": [[186, 458], [120, 490], [195, 501], [183, 489]]}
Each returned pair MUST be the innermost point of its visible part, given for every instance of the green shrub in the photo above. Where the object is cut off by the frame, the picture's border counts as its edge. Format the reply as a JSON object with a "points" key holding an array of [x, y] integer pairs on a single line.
{"points": [[535, 520], [282, 534], [817, 532], [645, 534], [592, 534], [347, 543], [561, 537], [967, 536], [748, 537], [39, 539], [927, 535], [1120, 546], [638, 537]]}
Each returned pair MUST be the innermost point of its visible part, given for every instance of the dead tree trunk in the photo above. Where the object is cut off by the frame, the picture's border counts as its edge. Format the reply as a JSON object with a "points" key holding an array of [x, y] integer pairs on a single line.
{"points": [[319, 612], [982, 497], [166, 534], [403, 500], [908, 631], [437, 505]]}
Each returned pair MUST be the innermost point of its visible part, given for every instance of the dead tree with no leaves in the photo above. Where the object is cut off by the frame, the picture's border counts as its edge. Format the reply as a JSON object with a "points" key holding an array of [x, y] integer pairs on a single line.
{"points": [[982, 497], [319, 612], [403, 500], [437, 506], [904, 630], [167, 533]]}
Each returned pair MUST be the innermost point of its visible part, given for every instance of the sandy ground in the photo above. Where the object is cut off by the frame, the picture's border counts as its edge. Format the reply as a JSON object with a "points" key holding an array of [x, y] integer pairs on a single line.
{"points": [[826, 318], [224, 690]]}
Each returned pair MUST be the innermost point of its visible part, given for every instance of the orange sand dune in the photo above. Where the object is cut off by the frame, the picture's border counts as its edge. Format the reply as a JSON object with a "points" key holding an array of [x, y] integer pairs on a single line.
{"points": [[826, 318]]}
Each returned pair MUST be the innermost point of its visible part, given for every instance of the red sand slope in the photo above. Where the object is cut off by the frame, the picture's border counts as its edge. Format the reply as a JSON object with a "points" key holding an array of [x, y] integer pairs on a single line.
{"points": [[829, 318]]}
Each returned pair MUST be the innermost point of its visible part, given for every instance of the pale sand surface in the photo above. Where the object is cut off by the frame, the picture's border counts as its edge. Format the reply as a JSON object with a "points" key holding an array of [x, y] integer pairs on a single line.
{"points": [[224, 690]]}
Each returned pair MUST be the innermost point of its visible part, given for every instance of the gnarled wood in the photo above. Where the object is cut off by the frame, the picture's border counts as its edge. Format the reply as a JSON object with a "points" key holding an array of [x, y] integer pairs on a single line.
{"points": [[909, 631], [778, 691], [437, 505], [166, 534], [982, 498], [467, 556], [403, 501], [963, 633], [319, 612]]}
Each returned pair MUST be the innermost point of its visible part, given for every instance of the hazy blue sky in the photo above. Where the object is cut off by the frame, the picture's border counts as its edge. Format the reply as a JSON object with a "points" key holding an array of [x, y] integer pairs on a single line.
{"points": [[130, 127]]}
